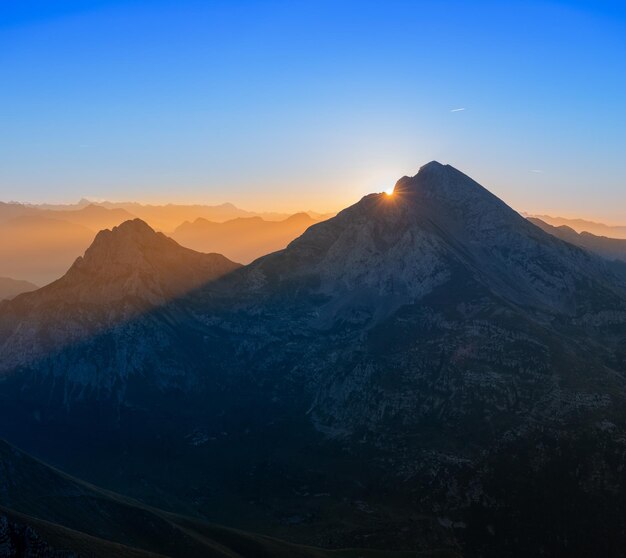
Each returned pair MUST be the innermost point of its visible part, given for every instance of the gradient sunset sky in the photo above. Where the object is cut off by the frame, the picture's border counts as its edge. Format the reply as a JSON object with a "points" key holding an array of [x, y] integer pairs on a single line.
{"points": [[290, 105]]}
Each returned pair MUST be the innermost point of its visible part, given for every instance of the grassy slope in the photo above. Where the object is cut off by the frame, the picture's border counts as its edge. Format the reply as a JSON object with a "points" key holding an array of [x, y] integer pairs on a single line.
{"points": [[70, 514]]}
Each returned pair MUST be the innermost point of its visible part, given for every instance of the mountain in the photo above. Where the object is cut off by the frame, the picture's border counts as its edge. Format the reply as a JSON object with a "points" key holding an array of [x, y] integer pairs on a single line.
{"points": [[243, 239], [582, 225], [89, 215], [40, 249], [54, 515], [610, 248], [49, 237], [124, 273], [424, 370], [406, 244], [10, 288], [40, 245], [92, 216], [134, 261], [320, 216], [13, 210], [168, 217]]}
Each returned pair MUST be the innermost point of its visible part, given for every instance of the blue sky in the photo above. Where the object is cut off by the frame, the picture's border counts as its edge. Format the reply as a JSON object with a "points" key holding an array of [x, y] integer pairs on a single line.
{"points": [[309, 105]]}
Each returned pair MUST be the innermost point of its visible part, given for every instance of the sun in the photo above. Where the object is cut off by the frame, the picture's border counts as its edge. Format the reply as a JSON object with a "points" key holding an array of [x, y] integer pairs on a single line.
{"points": [[389, 191]]}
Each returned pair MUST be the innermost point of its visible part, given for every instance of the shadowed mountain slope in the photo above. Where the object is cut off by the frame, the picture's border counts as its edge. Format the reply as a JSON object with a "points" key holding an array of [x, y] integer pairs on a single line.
{"points": [[54, 515]]}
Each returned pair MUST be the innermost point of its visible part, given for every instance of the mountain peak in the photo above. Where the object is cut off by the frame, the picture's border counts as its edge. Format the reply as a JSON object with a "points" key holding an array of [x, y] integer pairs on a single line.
{"points": [[450, 188], [433, 165], [134, 226], [126, 243], [430, 171], [124, 273], [440, 220], [301, 217], [133, 260]]}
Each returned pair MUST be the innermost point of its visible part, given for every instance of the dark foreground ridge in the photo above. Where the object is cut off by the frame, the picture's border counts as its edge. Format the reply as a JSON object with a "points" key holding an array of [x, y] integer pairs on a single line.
{"points": [[61, 517]]}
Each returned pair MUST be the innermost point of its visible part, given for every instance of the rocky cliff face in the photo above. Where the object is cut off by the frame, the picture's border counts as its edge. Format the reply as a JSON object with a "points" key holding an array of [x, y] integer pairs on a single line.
{"points": [[430, 351]]}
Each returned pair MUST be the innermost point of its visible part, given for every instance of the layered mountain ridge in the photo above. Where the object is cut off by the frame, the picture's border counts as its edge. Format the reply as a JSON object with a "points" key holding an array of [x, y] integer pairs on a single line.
{"points": [[10, 288], [610, 248], [243, 239]]}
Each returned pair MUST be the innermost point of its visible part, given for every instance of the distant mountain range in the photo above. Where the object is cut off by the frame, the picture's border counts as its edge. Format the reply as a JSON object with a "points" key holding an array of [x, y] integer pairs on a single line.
{"points": [[243, 239], [39, 243], [610, 248], [10, 288], [162, 217], [582, 225], [426, 370], [168, 217], [93, 217], [40, 249]]}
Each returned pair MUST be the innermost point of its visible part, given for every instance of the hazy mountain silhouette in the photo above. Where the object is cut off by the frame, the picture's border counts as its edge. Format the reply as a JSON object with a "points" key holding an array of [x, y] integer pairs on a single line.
{"points": [[583, 225], [610, 248], [40, 249], [13, 210], [164, 217], [169, 216], [243, 239], [92, 216], [427, 369], [39, 243], [10, 288]]}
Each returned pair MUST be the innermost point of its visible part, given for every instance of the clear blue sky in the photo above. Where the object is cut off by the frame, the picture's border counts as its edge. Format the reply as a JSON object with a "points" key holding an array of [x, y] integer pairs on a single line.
{"points": [[298, 105]]}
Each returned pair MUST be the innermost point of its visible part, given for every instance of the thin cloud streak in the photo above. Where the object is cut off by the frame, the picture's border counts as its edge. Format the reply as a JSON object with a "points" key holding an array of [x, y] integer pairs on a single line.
{"points": [[458, 110]]}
